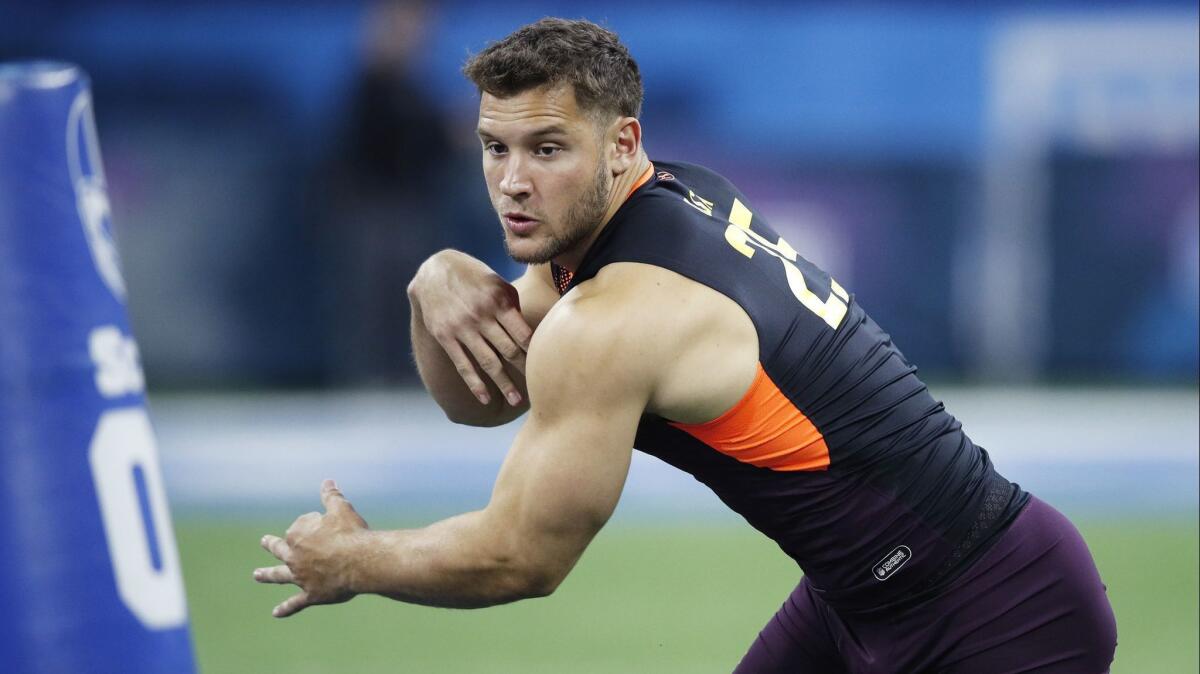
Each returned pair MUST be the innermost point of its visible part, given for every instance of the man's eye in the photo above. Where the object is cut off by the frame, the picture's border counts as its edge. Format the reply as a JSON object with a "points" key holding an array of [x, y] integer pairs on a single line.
{"points": [[495, 148], [547, 150]]}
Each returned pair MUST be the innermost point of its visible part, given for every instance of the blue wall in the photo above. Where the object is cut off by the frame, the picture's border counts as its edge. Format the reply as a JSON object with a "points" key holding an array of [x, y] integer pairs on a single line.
{"points": [[859, 128]]}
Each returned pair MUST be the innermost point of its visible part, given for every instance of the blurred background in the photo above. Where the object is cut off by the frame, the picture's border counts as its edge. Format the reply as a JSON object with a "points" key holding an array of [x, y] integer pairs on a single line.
{"points": [[1010, 188]]}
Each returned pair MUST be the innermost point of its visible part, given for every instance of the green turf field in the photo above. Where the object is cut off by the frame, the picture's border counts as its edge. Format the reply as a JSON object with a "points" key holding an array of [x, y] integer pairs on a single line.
{"points": [[656, 600]]}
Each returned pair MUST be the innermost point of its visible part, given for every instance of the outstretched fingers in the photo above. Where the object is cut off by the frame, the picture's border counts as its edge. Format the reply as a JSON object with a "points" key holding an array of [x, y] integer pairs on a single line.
{"points": [[336, 504], [274, 574], [293, 604], [276, 546], [332, 497]]}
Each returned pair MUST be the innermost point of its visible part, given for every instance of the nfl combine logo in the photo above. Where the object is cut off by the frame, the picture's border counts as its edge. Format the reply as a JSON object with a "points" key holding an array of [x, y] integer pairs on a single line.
{"points": [[892, 563]]}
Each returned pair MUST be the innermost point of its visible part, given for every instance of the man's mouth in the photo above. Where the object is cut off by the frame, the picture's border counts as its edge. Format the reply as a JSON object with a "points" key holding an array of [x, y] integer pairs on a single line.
{"points": [[519, 223]]}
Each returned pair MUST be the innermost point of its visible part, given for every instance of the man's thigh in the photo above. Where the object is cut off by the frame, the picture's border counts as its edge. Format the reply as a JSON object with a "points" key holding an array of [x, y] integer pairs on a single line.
{"points": [[798, 639]]}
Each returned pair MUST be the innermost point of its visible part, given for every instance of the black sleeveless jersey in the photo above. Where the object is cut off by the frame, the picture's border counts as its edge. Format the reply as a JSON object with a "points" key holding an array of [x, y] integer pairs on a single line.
{"points": [[838, 452]]}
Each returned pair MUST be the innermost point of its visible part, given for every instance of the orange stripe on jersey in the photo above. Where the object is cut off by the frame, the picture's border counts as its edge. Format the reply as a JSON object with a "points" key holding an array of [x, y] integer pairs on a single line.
{"points": [[764, 429]]}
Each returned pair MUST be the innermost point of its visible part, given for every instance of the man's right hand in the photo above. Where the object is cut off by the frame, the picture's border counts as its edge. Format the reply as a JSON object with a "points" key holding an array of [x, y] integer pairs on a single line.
{"points": [[475, 316]]}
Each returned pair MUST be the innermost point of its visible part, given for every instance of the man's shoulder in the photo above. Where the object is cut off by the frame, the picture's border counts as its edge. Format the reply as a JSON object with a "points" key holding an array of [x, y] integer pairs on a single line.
{"points": [[613, 303], [585, 355], [680, 347], [622, 320], [629, 306], [626, 292]]}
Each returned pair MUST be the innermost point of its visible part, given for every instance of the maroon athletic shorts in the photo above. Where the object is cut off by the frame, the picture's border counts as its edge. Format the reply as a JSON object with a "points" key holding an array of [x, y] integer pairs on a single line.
{"points": [[1034, 602]]}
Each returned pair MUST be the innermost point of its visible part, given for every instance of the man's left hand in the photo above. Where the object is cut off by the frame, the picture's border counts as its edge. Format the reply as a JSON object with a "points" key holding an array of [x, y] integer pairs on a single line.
{"points": [[315, 553]]}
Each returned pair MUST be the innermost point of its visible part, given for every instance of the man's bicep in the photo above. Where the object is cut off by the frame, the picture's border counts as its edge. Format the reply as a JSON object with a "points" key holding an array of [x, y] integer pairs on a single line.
{"points": [[561, 481], [589, 379]]}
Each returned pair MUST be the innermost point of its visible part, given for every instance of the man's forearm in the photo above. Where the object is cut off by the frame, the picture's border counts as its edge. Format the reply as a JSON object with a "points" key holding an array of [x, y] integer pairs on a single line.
{"points": [[455, 563], [446, 386]]}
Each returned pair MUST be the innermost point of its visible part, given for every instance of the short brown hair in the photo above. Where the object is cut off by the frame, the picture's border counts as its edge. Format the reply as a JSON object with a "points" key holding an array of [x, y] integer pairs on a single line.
{"points": [[560, 51]]}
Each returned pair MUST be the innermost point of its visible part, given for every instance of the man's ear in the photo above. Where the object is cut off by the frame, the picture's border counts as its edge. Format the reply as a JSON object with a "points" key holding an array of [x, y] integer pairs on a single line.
{"points": [[624, 145]]}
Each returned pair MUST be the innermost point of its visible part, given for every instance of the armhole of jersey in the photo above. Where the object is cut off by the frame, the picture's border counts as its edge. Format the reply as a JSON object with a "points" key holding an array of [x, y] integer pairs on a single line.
{"points": [[764, 429]]}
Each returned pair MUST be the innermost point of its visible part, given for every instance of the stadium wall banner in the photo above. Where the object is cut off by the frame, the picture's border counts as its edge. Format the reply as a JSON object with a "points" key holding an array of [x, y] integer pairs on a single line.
{"points": [[90, 579]]}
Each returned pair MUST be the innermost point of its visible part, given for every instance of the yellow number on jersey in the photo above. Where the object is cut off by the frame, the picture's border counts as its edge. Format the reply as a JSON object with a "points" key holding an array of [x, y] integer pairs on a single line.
{"points": [[744, 240]]}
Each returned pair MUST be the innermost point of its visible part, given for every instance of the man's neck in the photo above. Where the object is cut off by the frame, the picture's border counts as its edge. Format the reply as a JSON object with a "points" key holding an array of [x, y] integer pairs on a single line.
{"points": [[622, 188]]}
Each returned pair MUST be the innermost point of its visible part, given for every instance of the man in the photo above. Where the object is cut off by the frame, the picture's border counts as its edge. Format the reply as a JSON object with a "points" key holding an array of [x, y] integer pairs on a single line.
{"points": [[659, 311]]}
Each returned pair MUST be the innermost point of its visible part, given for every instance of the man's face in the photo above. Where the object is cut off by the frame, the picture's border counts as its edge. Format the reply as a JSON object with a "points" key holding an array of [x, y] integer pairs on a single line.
{"points": [[545, 172]]}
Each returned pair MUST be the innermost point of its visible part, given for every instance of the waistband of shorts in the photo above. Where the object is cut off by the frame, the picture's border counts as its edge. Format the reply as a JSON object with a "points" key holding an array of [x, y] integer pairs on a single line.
{"points": [[996, 514]]}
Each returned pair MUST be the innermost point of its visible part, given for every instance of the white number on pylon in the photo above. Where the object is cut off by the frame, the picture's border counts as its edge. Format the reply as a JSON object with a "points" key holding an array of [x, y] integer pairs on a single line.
{"points": [[150, 585]]}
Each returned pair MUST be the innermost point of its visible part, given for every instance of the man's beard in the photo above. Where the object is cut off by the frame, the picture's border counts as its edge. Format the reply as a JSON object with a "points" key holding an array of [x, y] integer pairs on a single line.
{"points": [[581, 220]]}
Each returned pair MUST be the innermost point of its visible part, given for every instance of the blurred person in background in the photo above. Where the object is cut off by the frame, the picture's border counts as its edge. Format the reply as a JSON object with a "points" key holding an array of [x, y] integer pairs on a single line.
{"points": [[381, 201], [671, 317]]}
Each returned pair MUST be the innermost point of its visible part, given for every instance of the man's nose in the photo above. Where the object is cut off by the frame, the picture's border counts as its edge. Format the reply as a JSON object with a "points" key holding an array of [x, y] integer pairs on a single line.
{"points": [[515, 183]]}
